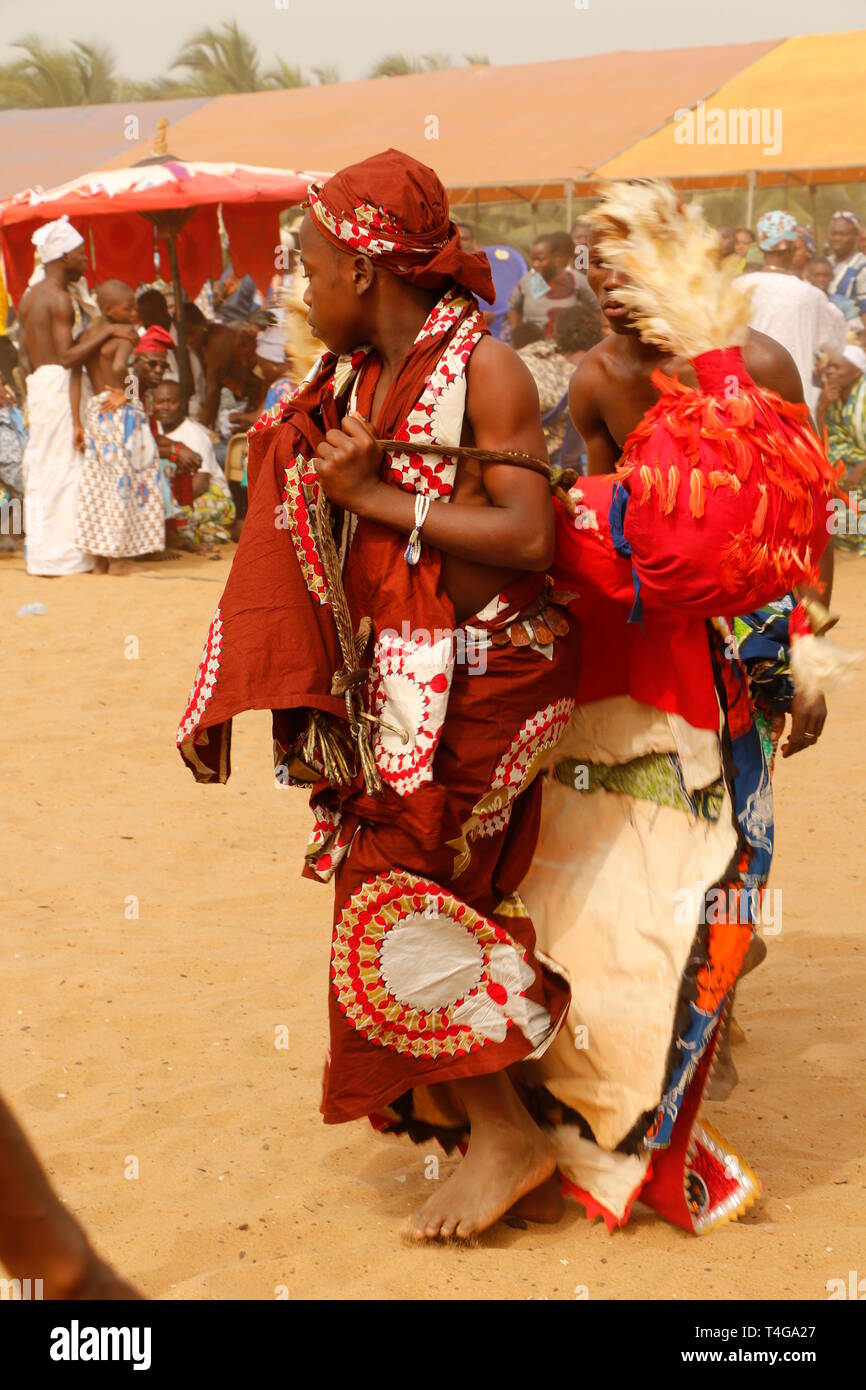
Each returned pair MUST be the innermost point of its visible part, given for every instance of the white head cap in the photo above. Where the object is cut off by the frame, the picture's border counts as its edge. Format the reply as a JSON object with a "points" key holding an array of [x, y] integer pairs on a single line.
{"points": [[856, 356], [55, 239]]}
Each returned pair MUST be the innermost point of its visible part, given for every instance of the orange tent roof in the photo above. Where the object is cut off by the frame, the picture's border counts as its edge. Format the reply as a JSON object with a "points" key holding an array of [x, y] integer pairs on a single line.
{"points": [[816, 86], [517, 131]]}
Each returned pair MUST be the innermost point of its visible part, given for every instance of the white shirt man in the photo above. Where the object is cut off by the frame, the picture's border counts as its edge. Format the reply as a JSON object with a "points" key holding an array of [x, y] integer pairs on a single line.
{"points": [[797, 314]]}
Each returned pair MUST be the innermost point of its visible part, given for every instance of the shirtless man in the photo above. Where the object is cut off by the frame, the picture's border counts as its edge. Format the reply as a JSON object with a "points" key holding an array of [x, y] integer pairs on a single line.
{"points": [[609, 394], [48, 357], [120, 510]]}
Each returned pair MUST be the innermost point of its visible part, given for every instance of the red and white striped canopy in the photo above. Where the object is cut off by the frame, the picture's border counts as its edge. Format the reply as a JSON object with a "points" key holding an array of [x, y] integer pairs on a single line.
{"points": [[103, 206]]}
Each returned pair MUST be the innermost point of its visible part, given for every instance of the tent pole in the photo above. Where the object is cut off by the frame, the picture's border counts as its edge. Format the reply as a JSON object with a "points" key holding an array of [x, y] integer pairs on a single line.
{"points": [[569, 205], [182, 353], [813, 204], [750, 197]]}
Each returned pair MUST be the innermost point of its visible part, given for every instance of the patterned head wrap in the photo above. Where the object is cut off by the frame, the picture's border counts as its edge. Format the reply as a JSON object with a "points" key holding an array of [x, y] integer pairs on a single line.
{"points": [[846, 217], [394, 209], [774, 228]]}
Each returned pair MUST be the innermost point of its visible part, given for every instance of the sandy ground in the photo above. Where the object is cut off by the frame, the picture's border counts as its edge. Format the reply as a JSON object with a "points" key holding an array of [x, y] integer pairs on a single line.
{"points": [[153, 1036]]}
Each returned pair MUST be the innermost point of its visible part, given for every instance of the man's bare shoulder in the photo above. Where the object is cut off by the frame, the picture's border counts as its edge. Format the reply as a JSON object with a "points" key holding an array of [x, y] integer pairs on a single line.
{"points": [[590, 375], [45, 295], [772, 366], [494, 367]]}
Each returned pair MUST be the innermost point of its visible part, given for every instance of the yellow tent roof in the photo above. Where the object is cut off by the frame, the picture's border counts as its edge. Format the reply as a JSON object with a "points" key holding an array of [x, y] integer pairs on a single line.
{"points": [[812, 94], [518, 131]]}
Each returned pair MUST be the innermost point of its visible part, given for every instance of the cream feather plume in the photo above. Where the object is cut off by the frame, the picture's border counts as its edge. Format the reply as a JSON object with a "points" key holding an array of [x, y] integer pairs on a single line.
{"points": [[682, 298]]}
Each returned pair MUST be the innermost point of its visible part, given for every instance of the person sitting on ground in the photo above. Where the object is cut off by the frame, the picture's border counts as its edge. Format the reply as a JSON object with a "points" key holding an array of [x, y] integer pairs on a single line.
{"points": [[274, 383], [120, 507], [211, 513], [176, 461], [13, 441], [552, 364]]}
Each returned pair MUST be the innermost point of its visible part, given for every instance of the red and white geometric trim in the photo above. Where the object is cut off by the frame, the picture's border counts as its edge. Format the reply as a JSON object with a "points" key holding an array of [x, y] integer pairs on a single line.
{"points": [[437, 416], [518, 766], [417, 970], [327, 844], [372, 229], [718, 1184], [300, 494], [205, 679], [409, 687]]}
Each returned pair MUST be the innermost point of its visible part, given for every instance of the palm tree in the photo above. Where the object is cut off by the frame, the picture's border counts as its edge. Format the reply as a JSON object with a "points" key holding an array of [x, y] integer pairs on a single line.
{"points": [[398, 65], [80, 75], [284, 75], [218, 61], [326, 75]]}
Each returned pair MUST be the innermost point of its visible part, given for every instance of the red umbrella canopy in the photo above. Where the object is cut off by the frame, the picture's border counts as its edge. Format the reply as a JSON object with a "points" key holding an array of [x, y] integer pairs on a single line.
{"points": [[170, 193]]}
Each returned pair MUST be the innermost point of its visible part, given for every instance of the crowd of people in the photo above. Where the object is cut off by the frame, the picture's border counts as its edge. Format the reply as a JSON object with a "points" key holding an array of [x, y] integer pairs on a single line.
{"points": [[109, 468], [105, 454]]}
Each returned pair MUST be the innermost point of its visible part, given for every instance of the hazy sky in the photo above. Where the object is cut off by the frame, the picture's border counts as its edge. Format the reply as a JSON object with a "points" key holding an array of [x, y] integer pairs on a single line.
{"points": [[351, 34]]}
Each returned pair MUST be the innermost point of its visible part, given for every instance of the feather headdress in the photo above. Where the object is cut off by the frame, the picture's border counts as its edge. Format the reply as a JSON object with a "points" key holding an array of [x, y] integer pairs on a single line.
{"points": [[682, 298]]}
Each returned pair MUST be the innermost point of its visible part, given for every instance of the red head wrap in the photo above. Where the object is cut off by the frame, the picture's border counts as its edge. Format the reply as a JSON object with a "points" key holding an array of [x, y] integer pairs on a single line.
{"points": [[393, 209], [155, 339]]}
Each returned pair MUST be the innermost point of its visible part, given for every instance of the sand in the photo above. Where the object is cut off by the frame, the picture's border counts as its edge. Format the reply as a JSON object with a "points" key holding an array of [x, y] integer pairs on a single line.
{"points": [[157, 934]]}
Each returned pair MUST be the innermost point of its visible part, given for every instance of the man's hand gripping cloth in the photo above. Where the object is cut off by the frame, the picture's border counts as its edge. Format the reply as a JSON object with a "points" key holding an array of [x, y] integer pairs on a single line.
{"points": [[434, 974]]}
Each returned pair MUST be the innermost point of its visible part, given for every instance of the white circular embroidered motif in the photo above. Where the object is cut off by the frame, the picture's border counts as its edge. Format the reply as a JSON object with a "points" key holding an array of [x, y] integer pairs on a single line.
{"points": [[430, 963]]}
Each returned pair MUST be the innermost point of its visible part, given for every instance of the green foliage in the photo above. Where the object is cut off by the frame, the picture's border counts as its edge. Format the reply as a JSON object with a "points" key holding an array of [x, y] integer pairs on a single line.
{"points": [[81, 75]]}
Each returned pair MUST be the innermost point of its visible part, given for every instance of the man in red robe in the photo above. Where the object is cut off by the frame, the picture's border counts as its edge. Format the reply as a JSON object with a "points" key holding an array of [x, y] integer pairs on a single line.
{"points": [[458, 683]]}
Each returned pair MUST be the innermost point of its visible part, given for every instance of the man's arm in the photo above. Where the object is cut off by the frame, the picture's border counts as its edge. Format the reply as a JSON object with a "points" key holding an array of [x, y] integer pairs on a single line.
{"points": [[516, 531], [91, 340], [602, 450]]}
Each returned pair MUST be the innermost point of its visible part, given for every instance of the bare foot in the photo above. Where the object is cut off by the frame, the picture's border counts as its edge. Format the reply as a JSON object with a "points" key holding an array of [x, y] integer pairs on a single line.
{"points": [[119, 567], [100, 565], [508, 1157], [161, 555], [544, 1205]]}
